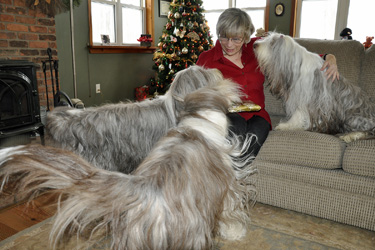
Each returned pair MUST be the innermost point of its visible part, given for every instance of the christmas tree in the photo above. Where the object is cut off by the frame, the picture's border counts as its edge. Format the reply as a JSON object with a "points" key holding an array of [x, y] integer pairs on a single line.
{"points": [[185, 36]]}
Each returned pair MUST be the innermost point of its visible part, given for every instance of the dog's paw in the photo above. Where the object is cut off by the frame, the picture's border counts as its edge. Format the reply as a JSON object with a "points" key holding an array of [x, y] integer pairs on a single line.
{"points": [[288, 126], [233, 231], [353, 136]]}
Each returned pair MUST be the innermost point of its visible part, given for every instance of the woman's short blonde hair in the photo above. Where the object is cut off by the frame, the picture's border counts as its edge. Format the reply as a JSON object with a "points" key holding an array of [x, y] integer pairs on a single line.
{"points": [[234, 22]]}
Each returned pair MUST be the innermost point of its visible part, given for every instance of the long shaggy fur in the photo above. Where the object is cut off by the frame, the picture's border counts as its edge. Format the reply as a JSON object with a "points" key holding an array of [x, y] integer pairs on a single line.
{"points": [[118, 136], [311, 102], [192, 186]]}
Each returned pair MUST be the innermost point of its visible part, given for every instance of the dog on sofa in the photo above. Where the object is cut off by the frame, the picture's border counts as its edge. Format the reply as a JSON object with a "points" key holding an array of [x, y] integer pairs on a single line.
{"points": [[192, 186], [311, 102], [118, 137]]}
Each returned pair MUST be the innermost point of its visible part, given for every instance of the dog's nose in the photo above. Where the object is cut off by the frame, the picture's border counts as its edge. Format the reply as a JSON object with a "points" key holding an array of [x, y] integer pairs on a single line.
{"points": [[255, 45]]}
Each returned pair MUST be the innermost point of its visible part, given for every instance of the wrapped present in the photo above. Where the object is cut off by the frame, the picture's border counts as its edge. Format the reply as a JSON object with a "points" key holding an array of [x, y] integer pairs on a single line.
{"points": [[141, 93], [244, 107]]}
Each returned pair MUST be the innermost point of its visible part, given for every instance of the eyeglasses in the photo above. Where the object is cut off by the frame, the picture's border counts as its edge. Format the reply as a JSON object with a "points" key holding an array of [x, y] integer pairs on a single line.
{"points": [[235, 40]]}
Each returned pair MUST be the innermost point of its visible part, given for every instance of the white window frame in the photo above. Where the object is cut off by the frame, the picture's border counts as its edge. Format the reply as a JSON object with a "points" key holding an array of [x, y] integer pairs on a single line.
{"points": [[341, 17], [119, 19], [119, 47]]}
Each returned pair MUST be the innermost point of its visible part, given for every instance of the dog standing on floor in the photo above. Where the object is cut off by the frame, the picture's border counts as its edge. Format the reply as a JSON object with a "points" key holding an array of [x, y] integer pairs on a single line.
{"points": [[311, 102], [119, 136], [192, 186]]}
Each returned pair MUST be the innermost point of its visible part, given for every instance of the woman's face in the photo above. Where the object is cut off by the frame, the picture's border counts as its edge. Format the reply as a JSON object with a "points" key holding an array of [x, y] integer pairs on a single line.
{"points": [[231, 45]]}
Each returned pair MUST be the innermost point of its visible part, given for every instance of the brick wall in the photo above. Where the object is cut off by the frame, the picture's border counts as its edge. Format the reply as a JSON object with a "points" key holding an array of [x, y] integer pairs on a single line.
{"points": [[25, 34]]}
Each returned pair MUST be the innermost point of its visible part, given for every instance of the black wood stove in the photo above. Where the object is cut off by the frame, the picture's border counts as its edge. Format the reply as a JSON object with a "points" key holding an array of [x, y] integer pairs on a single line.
{"points": [[19, 99]]}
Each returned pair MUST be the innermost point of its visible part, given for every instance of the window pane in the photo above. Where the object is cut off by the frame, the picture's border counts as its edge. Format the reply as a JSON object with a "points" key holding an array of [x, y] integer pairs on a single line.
{"points": [[250, 3], [132, 25], [132, 2], [212, 18], [257, 17], [361, 19], [215, 4], [318, 19], [103, 21]]}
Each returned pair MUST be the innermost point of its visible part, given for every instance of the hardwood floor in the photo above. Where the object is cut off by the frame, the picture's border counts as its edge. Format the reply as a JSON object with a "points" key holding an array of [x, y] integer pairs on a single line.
{"points": [[20, 216]]}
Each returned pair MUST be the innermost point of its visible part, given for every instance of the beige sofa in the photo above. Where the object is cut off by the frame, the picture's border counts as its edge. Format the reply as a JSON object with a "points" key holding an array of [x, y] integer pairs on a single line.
{"points": [[319, 174]]}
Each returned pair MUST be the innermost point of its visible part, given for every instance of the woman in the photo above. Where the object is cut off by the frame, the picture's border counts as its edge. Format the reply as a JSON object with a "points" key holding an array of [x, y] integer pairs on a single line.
{"points": [[233, 55]]}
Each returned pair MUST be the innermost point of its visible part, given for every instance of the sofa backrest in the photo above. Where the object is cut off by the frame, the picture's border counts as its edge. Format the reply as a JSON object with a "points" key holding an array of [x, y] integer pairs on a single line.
{"points": [[350, 56], [367, 79]]}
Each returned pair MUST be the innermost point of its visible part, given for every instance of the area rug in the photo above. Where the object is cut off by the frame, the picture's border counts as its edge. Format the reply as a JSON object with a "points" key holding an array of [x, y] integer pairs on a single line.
{"points": [[271, 228]]}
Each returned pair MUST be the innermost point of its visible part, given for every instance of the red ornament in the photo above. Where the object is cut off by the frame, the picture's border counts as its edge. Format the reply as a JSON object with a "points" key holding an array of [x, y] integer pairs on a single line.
{"points": [[141, 93]]}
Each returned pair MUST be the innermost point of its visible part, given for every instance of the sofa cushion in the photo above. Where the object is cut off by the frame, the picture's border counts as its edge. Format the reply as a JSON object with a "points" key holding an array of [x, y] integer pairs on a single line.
{"points": [[334, 179], [359, 158], [303, 148], [367, 81]]}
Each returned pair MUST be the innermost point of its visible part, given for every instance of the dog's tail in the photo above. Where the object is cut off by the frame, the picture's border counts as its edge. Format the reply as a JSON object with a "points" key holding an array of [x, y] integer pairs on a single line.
{"points": [[93, 200], [124, 211]]}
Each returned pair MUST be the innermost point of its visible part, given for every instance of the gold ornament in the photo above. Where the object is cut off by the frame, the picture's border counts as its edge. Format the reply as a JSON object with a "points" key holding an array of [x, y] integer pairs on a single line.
{"points": [[185, 50], [200, 48], [193, 36]]}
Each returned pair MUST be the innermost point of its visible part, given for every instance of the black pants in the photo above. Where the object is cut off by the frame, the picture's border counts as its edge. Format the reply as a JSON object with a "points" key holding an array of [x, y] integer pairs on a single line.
{"points": [[256, 125]]}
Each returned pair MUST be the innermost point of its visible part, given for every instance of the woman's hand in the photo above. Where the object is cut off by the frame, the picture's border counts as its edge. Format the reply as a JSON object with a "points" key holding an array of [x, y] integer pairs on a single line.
{"points": [[330, 66]]}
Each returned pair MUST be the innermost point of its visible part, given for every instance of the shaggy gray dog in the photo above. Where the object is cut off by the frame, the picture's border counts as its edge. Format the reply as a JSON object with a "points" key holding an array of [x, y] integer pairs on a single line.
{"points": [[118, 136], [311, 102], [192, 186]]}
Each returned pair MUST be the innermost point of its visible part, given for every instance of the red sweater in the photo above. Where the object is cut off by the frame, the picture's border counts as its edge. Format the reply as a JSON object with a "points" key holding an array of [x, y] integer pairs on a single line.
{"points": [[249, 78]]}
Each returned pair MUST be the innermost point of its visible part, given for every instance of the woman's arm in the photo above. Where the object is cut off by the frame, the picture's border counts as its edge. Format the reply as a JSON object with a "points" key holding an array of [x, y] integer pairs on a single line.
{"points": [[330, 66]]}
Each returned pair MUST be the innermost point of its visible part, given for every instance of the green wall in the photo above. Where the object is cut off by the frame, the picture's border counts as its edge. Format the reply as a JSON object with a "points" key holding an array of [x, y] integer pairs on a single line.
{"points": [[280, 24], [118, 74]]}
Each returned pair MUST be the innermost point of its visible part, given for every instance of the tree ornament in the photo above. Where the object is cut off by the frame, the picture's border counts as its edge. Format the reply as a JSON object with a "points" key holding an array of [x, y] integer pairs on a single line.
{"points": [[185, 50], [180, 33], [161, 67], [193, 36], [200, 48], [177, 15]]}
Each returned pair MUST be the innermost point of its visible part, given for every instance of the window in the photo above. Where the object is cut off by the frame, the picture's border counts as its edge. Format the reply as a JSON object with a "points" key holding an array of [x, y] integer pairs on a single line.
{"points": [[257, 10], [325, 19], [123, 21], [317, 19], [360, 19]]}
